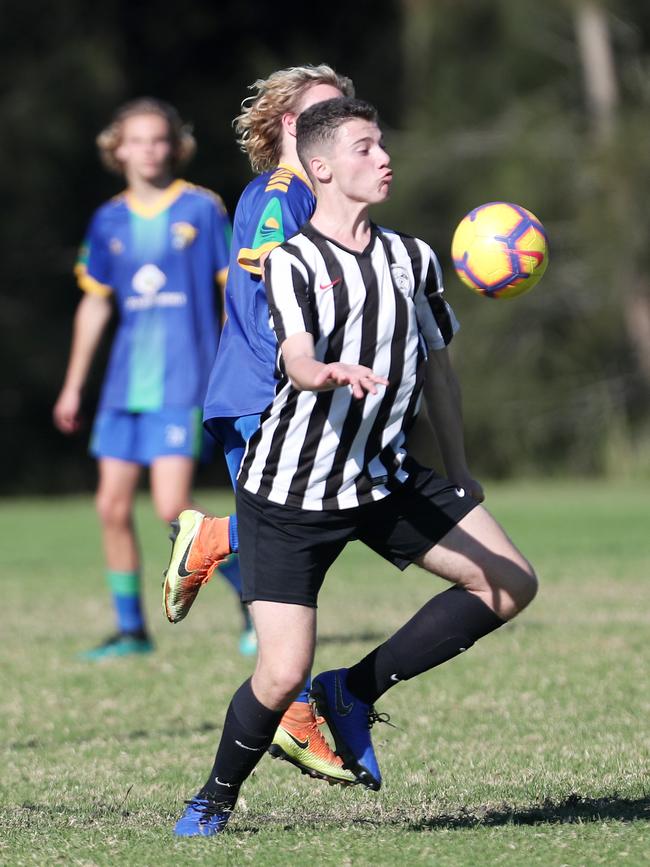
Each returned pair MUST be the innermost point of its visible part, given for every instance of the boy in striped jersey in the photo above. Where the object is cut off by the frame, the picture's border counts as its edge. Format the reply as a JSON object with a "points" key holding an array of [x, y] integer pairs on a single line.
{"points": [[363, 329]]}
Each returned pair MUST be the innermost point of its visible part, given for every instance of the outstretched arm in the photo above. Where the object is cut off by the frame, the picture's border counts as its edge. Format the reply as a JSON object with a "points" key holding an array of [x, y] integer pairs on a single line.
{"points": [[90, 320], [444, 405], [308, 374]]}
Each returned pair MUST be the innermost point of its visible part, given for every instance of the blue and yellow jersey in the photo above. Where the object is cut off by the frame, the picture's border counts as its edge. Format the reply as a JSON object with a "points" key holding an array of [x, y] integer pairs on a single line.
{"points": [[271, 209], [160, 264]]}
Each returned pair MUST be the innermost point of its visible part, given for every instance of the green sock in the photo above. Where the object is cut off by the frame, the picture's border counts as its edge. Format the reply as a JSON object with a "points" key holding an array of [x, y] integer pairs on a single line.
{"points": [[125, 590]]}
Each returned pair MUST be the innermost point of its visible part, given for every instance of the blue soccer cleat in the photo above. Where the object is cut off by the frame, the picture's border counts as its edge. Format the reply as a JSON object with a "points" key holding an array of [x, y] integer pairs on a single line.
{"points": [[202, 818], [349, 720]]}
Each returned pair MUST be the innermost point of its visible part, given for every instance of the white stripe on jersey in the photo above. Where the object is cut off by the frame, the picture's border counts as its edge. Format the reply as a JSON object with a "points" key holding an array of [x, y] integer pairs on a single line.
{"points": [[326, 450]]}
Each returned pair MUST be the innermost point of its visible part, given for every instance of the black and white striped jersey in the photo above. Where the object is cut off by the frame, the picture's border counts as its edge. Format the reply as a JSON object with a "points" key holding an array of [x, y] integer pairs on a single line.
{"points": [[382, 308]]}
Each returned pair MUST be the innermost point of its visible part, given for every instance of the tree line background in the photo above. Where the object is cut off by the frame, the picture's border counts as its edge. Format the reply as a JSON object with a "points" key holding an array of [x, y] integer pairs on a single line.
{"points": [[544, 104]]}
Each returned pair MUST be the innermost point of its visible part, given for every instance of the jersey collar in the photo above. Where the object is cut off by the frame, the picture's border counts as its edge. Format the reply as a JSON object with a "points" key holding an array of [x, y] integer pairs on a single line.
{"points": [[168, 197], [297, 173]]}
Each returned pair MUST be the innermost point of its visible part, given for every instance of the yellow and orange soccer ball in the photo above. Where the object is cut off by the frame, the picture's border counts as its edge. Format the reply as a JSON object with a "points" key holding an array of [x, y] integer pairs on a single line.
{"points": [[500, 250]]}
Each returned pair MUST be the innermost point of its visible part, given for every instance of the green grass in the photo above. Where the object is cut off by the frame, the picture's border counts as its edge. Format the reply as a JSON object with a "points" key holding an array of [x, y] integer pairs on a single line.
{"points": [[532, 749]]}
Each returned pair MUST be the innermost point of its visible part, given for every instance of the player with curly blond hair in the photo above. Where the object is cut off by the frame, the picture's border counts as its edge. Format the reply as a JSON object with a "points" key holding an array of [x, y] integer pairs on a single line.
{"points": [[258, 126], [157, 253], [271, 209]]}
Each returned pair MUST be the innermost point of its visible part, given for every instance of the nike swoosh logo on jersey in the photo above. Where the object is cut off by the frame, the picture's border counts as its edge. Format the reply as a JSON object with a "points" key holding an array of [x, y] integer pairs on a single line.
{"points": [[330, 285], [342, 708], [395, 678], [303, 745]]}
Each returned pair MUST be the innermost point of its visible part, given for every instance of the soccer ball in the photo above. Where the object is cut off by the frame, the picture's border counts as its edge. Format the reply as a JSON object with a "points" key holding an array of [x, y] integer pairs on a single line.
{"points": [[500, 250]]}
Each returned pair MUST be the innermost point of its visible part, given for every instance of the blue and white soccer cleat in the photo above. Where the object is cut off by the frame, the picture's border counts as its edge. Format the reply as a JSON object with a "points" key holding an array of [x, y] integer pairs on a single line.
{"points": [[349, 720], [202, 818]]}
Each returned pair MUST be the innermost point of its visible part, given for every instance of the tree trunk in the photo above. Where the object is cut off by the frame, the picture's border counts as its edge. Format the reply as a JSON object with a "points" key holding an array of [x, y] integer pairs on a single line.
{"points": [[601, 87]]}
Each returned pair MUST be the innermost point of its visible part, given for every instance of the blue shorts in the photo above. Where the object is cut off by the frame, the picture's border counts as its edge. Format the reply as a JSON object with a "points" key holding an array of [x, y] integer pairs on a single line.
{"points": [[233, 434], [141, 437]]}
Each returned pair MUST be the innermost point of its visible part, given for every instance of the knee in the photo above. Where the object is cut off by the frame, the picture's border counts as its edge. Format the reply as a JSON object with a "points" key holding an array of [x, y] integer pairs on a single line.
{"points": [[113, 511], [523, 587], [509, 584], [529, 585], [279, 686]]}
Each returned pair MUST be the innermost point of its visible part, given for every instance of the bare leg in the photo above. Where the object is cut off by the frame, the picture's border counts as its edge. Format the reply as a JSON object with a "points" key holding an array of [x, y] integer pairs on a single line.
{"points": [[478, 556], [171, 483], [286, 638], [114, 502], [493, 582], [117, 484]]}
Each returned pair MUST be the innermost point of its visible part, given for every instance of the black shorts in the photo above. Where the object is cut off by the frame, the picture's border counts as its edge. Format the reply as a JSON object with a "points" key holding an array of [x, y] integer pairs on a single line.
{"points": [[284, 552]]}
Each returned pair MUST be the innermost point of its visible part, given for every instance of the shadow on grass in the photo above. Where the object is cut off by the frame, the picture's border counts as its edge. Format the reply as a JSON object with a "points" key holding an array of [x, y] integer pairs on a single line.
{"points": [[574, 809]]}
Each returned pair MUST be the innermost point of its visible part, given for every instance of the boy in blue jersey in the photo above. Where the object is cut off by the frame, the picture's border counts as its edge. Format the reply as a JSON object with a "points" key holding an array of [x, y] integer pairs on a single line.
{"points": [[242, 382], [154, 252]]}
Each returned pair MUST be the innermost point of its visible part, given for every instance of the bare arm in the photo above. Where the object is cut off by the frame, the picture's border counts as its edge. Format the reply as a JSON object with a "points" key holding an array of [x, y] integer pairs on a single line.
{"points": [[90, 320], [444, 405], [308, 374]]}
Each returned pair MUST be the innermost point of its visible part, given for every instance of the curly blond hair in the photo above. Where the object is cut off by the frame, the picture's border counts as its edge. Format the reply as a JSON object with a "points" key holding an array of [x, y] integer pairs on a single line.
{"points": [[258, 128], [110, 138]]}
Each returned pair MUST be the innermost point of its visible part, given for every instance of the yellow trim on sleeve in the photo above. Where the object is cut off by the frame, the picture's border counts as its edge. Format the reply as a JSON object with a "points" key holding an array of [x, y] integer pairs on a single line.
{"points": [[249, 260], [89, 284], [221, 276]]}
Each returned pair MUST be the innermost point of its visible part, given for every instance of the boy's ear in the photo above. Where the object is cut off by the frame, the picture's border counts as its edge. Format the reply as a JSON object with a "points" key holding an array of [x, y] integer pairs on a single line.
{"points": [[289, 119], [320, 169]]}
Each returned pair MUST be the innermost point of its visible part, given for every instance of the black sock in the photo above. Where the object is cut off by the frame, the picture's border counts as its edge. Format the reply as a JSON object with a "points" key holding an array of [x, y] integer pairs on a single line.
{"points": [[247, 733], [447, 625]]}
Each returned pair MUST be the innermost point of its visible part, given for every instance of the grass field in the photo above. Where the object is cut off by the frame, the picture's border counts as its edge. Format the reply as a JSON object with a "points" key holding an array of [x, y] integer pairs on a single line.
{"points": [[532, 749]]}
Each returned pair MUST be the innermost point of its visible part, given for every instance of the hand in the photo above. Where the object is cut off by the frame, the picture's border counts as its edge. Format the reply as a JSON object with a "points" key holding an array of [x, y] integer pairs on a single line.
{"points": [[360, 379], [67, 411]]}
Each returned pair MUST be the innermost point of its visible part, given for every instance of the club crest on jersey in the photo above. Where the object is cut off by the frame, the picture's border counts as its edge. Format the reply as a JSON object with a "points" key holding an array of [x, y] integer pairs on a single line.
{"points": [[116, 246], [183, 234], [402, 279], [148, 280]]}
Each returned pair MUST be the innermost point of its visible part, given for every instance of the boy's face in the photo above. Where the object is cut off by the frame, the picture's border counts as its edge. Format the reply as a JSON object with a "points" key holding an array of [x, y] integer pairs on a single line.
{"points": [[358, 162], [146, 148]]}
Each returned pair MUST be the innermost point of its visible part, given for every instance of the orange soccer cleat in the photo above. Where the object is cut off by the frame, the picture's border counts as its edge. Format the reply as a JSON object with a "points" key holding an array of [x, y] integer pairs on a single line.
{"points": [[298, 740], [199, 544]]}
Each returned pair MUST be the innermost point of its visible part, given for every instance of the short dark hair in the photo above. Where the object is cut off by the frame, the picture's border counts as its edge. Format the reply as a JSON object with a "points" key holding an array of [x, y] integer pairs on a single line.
{"points": [[319, 123]]}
